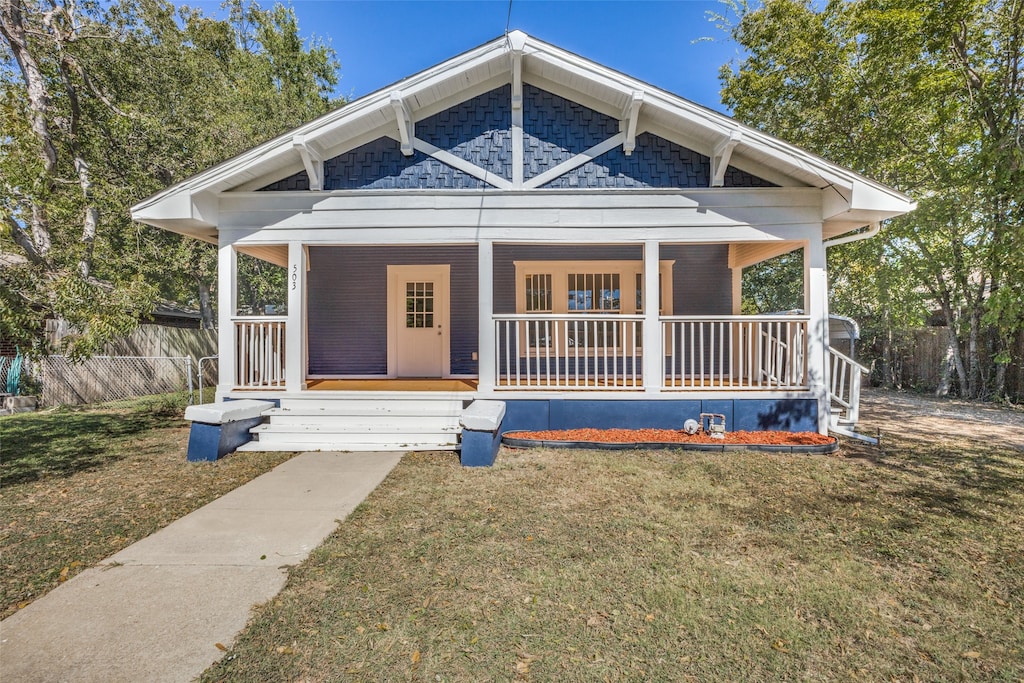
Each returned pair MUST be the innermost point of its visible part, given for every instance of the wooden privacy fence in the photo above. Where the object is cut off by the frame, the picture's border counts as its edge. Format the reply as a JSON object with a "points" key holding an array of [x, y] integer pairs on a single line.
{"points": [[924, 356]]}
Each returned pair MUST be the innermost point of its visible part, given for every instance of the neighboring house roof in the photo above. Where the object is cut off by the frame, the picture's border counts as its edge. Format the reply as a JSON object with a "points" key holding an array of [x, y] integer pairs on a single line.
{"points": [[849, 200]]}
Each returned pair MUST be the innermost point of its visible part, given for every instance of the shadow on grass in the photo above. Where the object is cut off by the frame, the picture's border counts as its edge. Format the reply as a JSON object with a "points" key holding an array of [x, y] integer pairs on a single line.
{"points": [[66, 441], [950, 479]]}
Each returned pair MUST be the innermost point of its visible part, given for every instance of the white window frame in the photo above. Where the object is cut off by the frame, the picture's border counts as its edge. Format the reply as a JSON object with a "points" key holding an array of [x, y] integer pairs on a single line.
{"points": [[560, 271]]}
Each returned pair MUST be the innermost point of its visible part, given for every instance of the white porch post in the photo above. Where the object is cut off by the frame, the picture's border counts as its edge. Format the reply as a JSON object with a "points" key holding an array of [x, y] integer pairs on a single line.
{"points": [[654, 355], [737, 290], [227, 297], [816, 307], [486, 361], [295, 329]]}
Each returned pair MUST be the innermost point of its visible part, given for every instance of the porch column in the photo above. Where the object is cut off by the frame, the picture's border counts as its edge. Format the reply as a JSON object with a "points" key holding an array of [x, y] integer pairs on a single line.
{"points": [[486, 362], [816, 307], [737, 290], [295, 328], [227, 297], [654, 355]]}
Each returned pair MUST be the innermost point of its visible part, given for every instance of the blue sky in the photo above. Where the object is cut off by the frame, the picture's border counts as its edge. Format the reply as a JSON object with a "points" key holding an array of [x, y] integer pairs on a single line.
{"points": [[379, 42]]}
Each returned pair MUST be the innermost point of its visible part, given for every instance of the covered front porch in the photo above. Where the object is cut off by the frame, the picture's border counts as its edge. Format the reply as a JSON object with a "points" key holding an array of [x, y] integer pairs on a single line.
{"points": [[533, 321]]}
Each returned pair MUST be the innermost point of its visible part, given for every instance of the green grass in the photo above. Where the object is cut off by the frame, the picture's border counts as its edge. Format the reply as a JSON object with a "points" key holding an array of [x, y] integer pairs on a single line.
{"points": [[80, 484], [581, 566]]}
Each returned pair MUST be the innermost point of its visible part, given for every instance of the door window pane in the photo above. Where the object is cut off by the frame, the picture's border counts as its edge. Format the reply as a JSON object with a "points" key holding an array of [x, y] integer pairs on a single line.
{"points": [[419, 304]]}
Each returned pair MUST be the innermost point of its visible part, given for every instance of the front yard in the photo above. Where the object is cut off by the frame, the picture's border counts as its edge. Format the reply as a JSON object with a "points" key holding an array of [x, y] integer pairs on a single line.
{"points": [[900, 564], [77, 485], [905, 563]]}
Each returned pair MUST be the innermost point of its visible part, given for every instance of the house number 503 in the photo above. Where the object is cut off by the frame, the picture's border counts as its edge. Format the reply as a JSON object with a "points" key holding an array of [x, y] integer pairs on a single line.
{"points": [[295, 275]]}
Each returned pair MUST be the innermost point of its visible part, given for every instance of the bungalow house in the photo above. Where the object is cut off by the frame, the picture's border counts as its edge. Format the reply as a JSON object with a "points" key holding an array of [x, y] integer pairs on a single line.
{"points": [[521, 224]]}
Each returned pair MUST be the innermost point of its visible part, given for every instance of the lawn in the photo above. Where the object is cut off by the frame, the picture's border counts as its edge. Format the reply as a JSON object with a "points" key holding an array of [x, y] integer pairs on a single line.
{"points": [[77, 485], [905, 563]]}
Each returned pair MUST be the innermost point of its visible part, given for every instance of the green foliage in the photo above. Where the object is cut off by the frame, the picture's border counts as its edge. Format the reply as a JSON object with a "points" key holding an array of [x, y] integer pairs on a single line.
{"points": [[774, 285], [141, 95], [927, 98]]}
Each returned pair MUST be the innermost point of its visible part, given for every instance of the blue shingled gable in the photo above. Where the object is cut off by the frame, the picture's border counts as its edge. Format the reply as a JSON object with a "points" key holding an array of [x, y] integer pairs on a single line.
{"points": [[554, 130], [478, 130]]}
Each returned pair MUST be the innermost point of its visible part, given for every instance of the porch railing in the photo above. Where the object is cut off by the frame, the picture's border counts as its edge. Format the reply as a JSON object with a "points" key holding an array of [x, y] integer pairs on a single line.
{"points": [[569, 351], [844, 388], [259, 352], [605, 351], [735, 352]]}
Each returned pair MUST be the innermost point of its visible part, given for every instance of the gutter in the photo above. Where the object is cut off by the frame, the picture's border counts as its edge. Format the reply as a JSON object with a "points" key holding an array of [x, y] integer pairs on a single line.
{"points": [[856, 237]]}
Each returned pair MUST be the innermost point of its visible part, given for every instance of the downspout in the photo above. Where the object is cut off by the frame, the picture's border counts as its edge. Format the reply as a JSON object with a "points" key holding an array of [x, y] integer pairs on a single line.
{"points": [[856, 237]]}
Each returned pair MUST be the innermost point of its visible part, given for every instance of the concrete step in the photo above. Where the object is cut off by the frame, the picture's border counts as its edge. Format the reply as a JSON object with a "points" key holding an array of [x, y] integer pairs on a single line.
{"points": [[438, 406], [398, 426], [349, 422], [392, 446]]}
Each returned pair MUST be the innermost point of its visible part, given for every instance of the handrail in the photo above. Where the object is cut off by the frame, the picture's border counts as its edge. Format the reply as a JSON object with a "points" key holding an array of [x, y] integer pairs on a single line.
{"points": [[844, 388], [259, 318], [735, 318], [844, 357]]}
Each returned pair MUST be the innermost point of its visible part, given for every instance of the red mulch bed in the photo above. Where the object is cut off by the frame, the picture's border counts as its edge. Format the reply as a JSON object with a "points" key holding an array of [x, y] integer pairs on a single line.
{"points": [[674, 436]]}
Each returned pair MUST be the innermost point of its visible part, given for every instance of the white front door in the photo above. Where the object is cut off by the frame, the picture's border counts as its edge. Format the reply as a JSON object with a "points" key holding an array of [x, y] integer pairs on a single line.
{"points": [[418, 317]]}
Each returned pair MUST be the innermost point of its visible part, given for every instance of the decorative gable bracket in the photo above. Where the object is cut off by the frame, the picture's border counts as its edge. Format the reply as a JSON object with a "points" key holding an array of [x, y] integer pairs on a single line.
{"points": [[721, 156], [406, 130], [627, 124], [312, 159]]}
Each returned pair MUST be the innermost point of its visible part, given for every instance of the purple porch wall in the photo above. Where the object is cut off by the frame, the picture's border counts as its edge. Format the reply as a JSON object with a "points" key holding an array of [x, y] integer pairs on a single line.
{"points": [[348, 299]]}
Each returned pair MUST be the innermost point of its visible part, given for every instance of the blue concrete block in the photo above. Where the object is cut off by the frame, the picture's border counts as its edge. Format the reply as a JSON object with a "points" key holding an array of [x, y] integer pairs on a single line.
{"points": [[210, 442], [721, 407], [526, 415], [787, 414], [624, 414], [479, 449]]}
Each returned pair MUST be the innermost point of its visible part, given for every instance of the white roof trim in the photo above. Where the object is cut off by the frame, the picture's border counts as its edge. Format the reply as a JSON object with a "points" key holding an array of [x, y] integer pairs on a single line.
{"points": [[191, 206]]}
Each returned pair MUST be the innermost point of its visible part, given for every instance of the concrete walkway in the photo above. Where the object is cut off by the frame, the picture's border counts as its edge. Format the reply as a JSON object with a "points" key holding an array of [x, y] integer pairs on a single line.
{"points": [[156, 610]]}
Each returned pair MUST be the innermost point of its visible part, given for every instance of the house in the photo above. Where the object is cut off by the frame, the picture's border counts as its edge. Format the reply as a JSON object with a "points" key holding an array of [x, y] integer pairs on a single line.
{"points": [[523, 225]]}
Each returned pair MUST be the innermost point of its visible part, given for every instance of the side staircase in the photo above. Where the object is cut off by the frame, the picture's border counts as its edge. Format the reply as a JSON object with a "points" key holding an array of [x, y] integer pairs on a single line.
{"points": [[844, 395], [400, 422]]}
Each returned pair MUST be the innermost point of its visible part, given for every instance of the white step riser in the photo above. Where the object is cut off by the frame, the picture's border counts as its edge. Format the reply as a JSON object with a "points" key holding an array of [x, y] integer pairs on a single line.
{"points": [[397, 430], [442, 406], [398, 440], [371, 415], [370, 421], [349, 446]]}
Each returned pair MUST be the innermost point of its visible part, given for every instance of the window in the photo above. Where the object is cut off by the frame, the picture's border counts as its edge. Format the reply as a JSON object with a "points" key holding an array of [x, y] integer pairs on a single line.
{"points": [[594, 292], [598, 287], [419, 304], [538, 293]]}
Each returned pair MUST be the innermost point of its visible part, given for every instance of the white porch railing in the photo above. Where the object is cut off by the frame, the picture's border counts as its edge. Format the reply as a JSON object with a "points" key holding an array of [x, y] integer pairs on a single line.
{"points": [[572, 351], [735, 352], [844, 389], [259, 352], [605, 351]]}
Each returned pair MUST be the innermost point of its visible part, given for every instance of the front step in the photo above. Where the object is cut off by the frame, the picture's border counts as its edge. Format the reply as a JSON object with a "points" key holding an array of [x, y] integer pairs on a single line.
{"points": [[393, 423]]}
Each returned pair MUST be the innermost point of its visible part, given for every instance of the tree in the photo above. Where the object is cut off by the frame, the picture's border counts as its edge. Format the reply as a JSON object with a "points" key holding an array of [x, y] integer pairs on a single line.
{"points": [[104, 105], [927, 97]]}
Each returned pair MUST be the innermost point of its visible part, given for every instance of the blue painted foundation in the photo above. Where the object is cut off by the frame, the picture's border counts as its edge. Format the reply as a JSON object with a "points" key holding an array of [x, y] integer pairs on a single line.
{"points": [[210, 442], [790, 415], [479, 449]]}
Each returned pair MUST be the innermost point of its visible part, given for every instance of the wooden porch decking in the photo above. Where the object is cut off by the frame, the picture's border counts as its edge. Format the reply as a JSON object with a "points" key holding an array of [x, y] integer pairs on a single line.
{"points": [[385, 384]]}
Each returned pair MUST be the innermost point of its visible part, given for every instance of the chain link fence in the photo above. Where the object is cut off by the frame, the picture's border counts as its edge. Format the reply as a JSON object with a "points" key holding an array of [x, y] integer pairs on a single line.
{"points": [[105, 379]]}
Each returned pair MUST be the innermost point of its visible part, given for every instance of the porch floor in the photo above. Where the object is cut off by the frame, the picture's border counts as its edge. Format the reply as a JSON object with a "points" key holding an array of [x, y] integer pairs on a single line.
{"points": [[384, 384]]}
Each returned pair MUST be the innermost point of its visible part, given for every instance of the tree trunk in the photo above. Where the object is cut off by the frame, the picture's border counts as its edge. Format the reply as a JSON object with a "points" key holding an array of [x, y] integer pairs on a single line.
{"points": [[207, 319]]}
